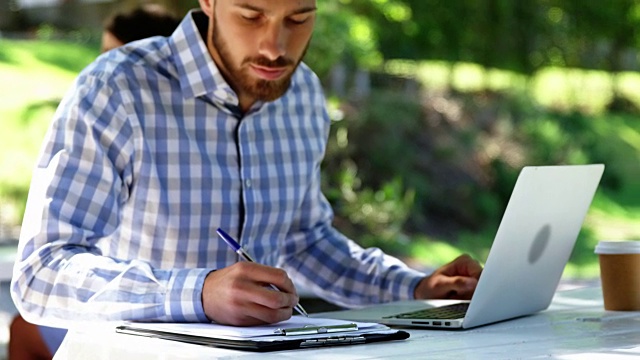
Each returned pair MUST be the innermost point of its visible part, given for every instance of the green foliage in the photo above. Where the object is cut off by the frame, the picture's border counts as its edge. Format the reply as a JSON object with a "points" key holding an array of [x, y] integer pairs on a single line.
{"points": [[521, 36], [342, 35], [375, 217], [376, 213], [458, 155]]}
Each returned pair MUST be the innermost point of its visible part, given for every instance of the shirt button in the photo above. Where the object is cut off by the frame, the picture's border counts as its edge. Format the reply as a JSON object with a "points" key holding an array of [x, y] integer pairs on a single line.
{"points": [[247, 183]]}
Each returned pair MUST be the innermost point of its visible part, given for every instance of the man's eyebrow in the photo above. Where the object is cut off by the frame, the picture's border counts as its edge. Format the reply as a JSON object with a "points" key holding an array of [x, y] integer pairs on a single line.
{"points": [[303, 10], [249, 7]]}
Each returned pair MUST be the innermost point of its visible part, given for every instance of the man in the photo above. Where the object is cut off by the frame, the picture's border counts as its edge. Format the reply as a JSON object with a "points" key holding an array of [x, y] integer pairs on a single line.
{"points": [[162, 142]]}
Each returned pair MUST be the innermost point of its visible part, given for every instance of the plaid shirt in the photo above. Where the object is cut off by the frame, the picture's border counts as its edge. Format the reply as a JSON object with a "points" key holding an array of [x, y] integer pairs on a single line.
{"points": [[146, 157]]}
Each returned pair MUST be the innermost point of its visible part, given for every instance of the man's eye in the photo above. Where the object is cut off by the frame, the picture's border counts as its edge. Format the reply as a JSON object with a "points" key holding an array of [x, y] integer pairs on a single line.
{"points": [[251, 18], [298, 21]]}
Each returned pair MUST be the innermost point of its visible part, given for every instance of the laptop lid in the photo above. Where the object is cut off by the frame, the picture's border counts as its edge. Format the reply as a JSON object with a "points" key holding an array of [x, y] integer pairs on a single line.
{"points": [[533, 243]]}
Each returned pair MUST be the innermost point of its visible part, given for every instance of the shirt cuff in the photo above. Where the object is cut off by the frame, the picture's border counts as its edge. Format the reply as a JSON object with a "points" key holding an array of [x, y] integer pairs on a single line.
{"points": [[405, 284], [183, 300]]}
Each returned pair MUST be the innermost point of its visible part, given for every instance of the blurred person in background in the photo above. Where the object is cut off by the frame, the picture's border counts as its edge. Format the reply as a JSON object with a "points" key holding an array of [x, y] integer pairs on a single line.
{"points": [[142, 22], [28, 341]]}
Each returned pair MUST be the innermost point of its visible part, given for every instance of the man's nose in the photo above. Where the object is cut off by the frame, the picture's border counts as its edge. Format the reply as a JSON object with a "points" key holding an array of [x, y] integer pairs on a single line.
{"points": [[274, 42]]}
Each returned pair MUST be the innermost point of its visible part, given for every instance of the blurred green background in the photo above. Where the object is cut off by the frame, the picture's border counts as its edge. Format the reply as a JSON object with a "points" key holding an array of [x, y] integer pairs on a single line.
{"points": [[437, 105]]}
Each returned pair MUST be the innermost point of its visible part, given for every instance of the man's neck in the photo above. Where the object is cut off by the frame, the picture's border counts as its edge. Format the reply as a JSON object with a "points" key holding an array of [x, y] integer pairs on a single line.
{"points": [[246, 102]]}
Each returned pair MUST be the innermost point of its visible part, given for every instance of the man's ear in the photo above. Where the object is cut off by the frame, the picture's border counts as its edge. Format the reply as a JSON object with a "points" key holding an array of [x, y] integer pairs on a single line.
{"points": [[207, 6]]}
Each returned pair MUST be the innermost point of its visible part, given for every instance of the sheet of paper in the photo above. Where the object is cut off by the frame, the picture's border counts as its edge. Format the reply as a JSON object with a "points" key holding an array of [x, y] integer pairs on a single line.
{"points": [[215, 330]]}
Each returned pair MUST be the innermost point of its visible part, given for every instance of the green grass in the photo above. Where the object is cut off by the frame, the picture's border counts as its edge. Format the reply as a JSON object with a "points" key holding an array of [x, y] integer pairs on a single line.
{"points": [[35, 76]]}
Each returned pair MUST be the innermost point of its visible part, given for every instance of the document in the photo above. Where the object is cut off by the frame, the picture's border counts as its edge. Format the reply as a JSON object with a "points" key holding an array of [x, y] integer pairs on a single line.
{"points": [[297, 332]]}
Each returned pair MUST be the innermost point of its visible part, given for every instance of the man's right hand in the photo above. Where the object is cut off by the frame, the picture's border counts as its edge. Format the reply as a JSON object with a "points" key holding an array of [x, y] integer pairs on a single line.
{"points": [[241, 295]]}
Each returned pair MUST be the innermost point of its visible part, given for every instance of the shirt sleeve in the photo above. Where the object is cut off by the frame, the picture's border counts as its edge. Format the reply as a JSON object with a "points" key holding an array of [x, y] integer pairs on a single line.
{"points": [[336, 268], [82, 179]]}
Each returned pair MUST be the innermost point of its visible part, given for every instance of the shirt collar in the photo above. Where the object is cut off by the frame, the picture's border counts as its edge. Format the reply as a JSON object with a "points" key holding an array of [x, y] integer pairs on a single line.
{"points": [[198, 73]]}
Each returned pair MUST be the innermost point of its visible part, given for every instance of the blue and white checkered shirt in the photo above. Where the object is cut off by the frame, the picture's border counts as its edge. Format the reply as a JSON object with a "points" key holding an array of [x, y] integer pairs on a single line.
{"points": [[146, 157]]}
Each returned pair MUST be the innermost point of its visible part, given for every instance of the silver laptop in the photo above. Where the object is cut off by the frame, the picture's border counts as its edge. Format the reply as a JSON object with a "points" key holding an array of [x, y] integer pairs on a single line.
{"points": [[532, 246]]}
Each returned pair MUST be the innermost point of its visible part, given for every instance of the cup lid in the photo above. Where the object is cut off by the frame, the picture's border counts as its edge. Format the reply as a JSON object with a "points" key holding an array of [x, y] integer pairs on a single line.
{"points": [[613, 247]]}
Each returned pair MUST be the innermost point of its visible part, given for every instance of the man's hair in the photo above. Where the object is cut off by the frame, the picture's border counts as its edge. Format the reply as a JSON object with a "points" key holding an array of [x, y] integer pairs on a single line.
{"points": [[142, 22]]}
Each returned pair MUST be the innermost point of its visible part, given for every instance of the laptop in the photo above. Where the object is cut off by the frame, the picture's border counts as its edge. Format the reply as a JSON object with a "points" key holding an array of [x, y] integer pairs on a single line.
{"points": [[533, 243]]}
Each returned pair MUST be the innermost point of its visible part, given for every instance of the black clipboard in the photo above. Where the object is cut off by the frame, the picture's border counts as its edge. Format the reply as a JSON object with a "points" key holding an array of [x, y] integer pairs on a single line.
{"points": [[289, 341]]}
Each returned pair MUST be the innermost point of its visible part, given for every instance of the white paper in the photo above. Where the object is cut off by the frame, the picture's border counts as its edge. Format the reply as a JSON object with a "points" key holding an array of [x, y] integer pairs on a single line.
{"points": [[225, 331]]}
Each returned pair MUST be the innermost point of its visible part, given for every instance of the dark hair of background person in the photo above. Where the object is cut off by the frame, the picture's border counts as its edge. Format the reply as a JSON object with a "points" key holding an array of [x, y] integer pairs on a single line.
{"points": [[142, 22]]}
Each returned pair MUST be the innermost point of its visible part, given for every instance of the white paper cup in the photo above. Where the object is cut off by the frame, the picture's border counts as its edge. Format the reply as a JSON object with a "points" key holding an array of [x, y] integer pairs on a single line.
{"points": [[620, 274]]}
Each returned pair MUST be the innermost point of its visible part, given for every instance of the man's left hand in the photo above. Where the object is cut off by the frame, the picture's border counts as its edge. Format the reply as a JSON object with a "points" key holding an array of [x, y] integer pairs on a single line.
{"points": [[455, 280]]}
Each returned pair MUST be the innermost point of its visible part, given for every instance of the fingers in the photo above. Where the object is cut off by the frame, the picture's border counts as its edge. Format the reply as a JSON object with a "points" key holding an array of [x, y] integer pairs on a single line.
{"points": [[455, 280], [242, 295], [439, 286], [458, 287], [463, 265], [267, 315]]}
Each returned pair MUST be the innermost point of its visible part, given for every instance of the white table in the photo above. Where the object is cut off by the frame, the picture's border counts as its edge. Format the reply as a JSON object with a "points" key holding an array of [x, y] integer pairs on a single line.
{"points": [[574, 327]]}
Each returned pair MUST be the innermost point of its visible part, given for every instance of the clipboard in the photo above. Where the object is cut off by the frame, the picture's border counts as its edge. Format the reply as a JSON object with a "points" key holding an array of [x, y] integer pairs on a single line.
{"points": [[296, 333]]}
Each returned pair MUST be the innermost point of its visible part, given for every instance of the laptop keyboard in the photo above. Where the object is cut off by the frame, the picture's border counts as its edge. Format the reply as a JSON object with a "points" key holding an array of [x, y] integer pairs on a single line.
{"points": [[454, 311]]}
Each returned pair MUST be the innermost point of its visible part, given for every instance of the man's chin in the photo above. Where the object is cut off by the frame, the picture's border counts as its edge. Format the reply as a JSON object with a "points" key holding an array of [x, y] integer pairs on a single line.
{"points": [[269, 91]]}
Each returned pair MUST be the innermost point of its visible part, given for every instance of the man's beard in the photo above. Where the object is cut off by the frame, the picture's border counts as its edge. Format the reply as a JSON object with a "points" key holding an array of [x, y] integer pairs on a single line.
{"points": [[238, 76]]}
